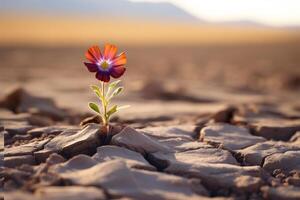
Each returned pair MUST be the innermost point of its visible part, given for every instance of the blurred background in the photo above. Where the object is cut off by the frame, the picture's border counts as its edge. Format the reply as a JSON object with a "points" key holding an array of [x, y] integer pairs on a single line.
{"points": [[194, 46]]}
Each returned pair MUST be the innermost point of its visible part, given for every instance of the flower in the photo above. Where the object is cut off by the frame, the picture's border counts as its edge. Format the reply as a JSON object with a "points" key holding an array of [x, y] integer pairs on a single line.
{"points": [[106, 65]]}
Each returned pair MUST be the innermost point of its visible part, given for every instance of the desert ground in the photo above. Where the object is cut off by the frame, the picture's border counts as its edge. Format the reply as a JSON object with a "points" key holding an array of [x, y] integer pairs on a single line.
{"points": [[207, 121]]}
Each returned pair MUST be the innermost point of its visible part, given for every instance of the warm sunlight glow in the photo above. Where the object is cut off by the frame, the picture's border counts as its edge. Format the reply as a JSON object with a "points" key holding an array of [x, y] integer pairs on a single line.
{"points": [[275, 12]]}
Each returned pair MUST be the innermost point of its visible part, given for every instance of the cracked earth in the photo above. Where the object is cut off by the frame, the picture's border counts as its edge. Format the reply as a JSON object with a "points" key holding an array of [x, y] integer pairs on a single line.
{"points": [[206, 150], [205, 122]]}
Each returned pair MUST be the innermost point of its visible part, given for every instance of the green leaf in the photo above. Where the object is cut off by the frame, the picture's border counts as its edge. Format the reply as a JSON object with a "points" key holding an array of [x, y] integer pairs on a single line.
{"points": [[123, 107], [94, 107], [97, 90], [116, 92], [111, 87], [112, 110]]}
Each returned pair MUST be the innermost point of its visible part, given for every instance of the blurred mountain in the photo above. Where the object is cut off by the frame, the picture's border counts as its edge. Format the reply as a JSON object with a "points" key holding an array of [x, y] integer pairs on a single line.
{"points": [[101, 8]]}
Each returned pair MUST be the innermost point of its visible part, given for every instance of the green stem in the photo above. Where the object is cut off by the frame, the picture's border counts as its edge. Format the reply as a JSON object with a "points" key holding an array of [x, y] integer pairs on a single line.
{"points": [[104, 117]]}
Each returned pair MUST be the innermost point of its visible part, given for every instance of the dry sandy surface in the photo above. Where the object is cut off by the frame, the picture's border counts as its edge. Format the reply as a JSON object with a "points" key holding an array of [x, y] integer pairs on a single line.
{"points": [[210, 122]]}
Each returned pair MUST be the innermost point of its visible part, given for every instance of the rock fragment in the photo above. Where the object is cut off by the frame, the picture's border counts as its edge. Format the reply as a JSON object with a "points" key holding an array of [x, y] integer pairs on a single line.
{"points": [[178, 138], [41, 155], [273, 128], [254, 155], [282, 193], [74, 141], [119, 180], [228, 136], [296, 138], [132, 158], [217, 176], [9, 116], [48, 130], [55, 159], [14, 161], [17, 128], [138, 141], [167, 132], [287, 161], [181, 144], [273, 122], [26, 149], [193, 157], [20, 101]]}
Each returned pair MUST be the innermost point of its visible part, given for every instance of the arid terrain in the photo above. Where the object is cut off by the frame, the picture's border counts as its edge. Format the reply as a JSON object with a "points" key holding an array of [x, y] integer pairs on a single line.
{"points": [[207, 121]]}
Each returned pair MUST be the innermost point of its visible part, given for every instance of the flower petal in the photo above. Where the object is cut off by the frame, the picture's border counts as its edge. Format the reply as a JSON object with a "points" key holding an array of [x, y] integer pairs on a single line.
{"points": [[110, 51], [103, 76], [120, 59], [93, 54], [117, 71], [91, 67]]}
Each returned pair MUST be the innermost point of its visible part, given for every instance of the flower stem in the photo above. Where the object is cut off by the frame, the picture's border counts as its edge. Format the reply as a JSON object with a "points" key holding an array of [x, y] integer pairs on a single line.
{"points": [[104, 104]]}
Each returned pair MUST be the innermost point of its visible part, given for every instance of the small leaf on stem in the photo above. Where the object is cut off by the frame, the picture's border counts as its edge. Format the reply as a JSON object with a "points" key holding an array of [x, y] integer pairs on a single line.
{"points": [[111, 87], [123, 107], [97, 90], [114, 84], [116, 92], [94, 107], [112, 110]]}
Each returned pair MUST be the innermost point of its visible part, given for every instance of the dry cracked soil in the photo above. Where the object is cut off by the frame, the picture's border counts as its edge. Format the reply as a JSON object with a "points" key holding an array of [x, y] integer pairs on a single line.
{"points": [[212, 151], [179, 139]]}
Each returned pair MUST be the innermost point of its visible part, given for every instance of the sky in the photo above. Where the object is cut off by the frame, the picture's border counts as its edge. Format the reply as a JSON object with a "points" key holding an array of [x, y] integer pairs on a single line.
{"points": [[270, 12]]}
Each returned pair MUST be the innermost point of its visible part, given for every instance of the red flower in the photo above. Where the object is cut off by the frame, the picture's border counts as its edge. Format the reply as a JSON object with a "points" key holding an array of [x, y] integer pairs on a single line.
{"points": [[106, 65]]}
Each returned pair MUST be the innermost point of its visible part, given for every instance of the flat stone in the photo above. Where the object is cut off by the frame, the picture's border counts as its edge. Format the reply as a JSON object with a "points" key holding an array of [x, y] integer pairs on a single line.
{"points": [[15, 161], [183, 131], [296, 138], [19, 100], [48, 130], [183, 144], [137, 141], [254, 155], [191, 158], [26, 149], [119, 180], [70, 193], [294, 179], [282, 193], [41, 155], [217, 176], [228, 136], [72, 142], [287, 161], [177, 138], [55, 159], [7, 115], [17, 128], [132, 158], [78, 162], [21, 137], [275, 128]]}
